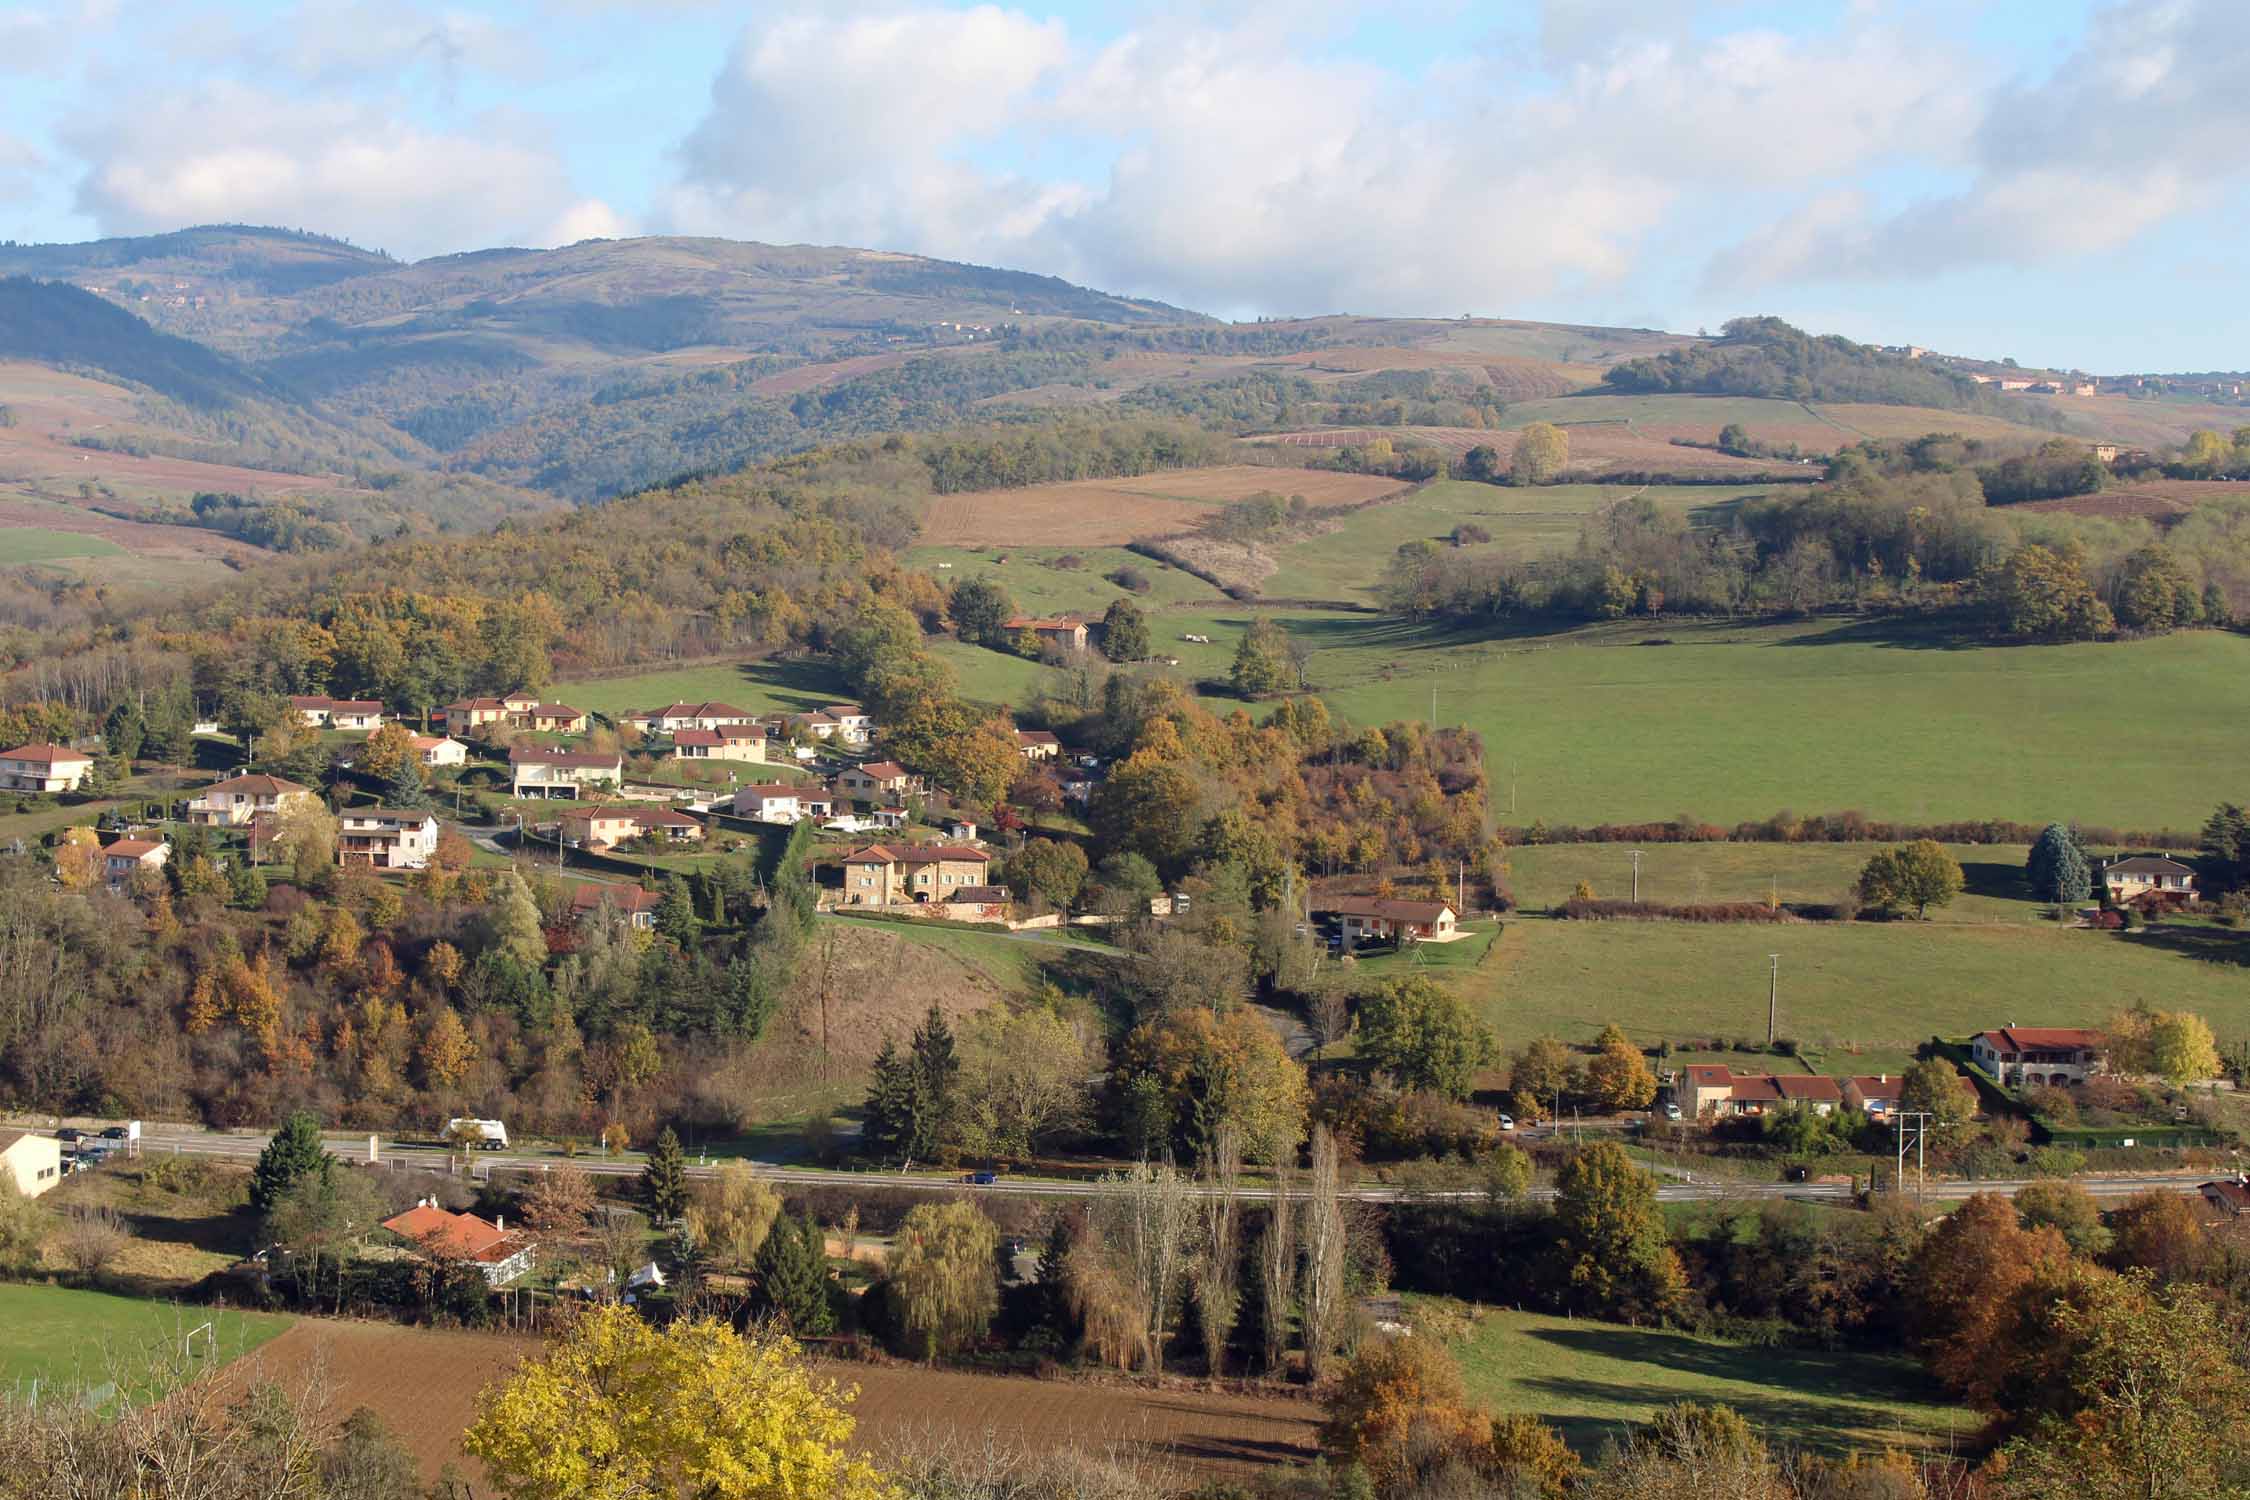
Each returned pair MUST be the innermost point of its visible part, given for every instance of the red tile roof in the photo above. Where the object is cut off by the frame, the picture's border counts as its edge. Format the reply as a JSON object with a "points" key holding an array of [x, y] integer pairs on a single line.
{"points": [[2042, 1038], [1808, 1088], [703, 737], [133, 848], [463, 1235], [256, 784], [882, 770], [626, 898], [1757, 1088], [44, 755], [1390, 911]]}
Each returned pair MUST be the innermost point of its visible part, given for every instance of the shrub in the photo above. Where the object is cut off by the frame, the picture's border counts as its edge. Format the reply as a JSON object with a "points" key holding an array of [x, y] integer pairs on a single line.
{"points": [[1131, 579]]}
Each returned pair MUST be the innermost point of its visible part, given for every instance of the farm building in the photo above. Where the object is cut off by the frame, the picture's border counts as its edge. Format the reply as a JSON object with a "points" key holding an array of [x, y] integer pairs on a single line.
{"points": [[1064, 632]]}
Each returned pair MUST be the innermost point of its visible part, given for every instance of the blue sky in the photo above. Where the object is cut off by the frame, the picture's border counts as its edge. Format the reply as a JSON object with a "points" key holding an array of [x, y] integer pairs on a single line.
{"points": [[2059, 181]]}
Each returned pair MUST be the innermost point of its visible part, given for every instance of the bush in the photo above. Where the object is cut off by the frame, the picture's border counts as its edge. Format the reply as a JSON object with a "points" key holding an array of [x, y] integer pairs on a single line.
{"points": [[1131, 579]]}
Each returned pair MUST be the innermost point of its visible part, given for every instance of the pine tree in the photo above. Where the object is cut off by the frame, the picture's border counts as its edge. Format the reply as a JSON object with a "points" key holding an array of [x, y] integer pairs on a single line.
{"points": [[403, 787], [296, 1151], [936, 1069], [675, 914], [890, 1107], [248, 884], [124, 730], [792, 1270], [2057, 867], [664, 1179]]}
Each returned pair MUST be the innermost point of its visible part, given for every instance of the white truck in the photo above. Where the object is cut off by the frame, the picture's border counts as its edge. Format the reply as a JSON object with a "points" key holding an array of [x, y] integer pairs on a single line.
{"points": [[480, 1135]]}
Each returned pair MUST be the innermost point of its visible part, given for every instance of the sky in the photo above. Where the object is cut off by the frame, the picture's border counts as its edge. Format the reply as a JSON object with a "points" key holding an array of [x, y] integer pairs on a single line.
{"points": [[2058, 181]]}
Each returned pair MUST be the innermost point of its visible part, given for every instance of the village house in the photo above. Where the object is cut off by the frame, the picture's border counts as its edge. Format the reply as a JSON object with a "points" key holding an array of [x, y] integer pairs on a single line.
{"points": [[1713, 1090], [232, 803], [674, 717], [636, 906], [1037, 745], [977, 903], [738, 742], [605, 827], [1063, 633], [122, 859], [472, 714], [815, 723], [338, 713], [774, 802], [439, 751], [2228, 1199], [1372, 919], [500, 1256], [854, 725], [551, 718], [1875, 1097], [881, 875], [878, 779], [562, 773], [43, 768], [32, 1158], [2023, 1056], [2145, 877], [518, 710], [386, 838]]}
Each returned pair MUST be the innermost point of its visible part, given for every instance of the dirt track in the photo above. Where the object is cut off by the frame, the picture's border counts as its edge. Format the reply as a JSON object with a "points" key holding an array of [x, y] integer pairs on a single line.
{"points": [[424, 1384]]}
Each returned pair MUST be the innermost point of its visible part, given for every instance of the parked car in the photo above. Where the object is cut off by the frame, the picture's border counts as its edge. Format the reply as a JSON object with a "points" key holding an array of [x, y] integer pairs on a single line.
{"points": [[1671, 1112], [69, 1133], [116, 1133], [1507, 1122], [981, 1179]]}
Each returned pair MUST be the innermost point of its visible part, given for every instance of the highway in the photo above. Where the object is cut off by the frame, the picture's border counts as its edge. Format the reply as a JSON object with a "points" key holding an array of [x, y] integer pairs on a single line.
{"points": [[245, 1148]]}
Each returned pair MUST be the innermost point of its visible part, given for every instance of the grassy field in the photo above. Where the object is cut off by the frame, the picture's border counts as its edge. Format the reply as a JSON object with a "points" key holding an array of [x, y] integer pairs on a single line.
{"points": [[30, 544], [1733, 721], [1880, 987], [1344, 563], [86, 1339], [1679, 874], [1592, 1379], [1038, 587], [771, 686]]}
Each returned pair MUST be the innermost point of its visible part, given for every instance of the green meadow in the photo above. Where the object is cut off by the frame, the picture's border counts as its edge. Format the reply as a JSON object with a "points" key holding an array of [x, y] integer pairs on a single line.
{"points": [[80, 1340], [1594, 1380], [31, 544], [1871, 989], [1039, 587]]}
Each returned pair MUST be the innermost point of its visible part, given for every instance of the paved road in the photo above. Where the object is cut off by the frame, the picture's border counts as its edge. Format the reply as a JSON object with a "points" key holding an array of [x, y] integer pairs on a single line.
{"points": [[355, 1148]]}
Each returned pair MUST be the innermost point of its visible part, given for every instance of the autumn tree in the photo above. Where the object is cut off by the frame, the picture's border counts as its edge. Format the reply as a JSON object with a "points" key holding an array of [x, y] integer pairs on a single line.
{"points": [[942, 1276], [618, 1409], [1321, 1256], [2039, 594], [447, 1049], [2182, 1049], [1617, 1259], [1215, 1070], [1398, 1407], [1023, 1080], [2069, 1210], [1618, 1075], [731, 1214], [2161, 1233], [1920, 874], [1051, 870], [1965, 1279], [304, 834], [981, 609], [1538, 1074], [1935, 1088], [1542, 452], [559, 1201], [1424, 1034], [388, 750], [1149, 1217]]}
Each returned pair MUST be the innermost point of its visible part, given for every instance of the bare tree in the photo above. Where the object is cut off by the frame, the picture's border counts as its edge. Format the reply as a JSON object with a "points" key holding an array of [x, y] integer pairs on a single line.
{"points": [[1156, 1214], [1329, 1015], [1278, 1281], [559, 1201], [1323, 1238], [91, 1239], [1218, 1290]]}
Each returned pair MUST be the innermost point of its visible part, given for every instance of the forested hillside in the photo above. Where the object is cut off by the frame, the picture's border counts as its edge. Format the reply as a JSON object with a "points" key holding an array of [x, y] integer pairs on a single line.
{"points": [[1767, 357]]}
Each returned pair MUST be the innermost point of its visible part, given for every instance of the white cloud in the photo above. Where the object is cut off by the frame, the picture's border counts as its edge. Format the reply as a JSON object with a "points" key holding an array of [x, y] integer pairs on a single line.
{"points": [[1239, 164], [587, 219], [2135, 128], [229, 151]]}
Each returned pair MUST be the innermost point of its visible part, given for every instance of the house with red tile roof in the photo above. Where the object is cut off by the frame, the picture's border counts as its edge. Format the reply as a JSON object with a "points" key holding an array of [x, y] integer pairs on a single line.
{"points": [[606, 826], [535, 772], [636, 906], [1063, 632], [232, 803], [43, 768], [737, 742], [880, 779], [1037, 745], [431, 1231], [1374, 919], [2022, 1056], [894, 874], [124, 857], [322, 712]]}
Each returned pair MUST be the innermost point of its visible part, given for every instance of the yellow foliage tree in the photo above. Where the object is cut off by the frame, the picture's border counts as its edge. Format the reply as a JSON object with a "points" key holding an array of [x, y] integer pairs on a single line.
{"points": [[79, 859], [732, 1214], [447, 1049], [387, 749], [620, 1410]]}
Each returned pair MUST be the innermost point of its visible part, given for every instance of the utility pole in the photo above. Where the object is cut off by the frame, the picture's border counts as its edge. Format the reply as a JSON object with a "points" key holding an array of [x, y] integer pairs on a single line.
{"points": [[1636, 877], [1773, 996], [1921, 1132]]}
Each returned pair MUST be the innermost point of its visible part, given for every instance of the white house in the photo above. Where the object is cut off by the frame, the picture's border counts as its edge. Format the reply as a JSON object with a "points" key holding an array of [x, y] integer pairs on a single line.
{"points": [[124, 857], [854, 725], [235, 801], [562, 773], [2018, 1056], [32, 1159], [2141, 875], [773, 802], [386, 838], [43, 768], [1368, 919], [338, 713], [440, 750]]}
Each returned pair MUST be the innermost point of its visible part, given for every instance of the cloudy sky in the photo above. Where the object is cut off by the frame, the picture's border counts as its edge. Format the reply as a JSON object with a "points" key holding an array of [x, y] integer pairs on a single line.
{"points": [[2062, 181]]}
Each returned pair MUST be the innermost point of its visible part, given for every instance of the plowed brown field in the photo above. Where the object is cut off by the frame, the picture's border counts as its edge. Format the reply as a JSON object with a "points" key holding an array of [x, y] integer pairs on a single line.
{"points": [[423, 1383], [1107, 512]]}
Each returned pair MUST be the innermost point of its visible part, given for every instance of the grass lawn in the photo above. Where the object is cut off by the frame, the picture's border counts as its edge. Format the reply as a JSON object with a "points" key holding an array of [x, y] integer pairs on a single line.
{"points": [[1882, 986], [1591, 1379], [1010, 959], [1040, 588], [1344, 563], [85, 1339], [30, 544], [769, 686], [1543, 875]]}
